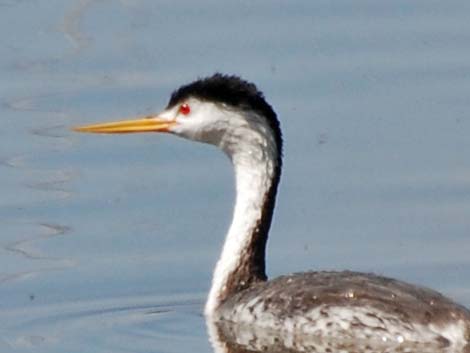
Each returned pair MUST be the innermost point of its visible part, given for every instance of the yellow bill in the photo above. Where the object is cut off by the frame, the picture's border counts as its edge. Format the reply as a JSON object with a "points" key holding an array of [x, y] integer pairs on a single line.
{"points": [[147, 124]]}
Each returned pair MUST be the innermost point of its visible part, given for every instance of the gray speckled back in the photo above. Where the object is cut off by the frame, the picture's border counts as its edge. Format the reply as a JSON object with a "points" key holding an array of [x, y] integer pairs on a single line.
{"points": [[350, 304]]}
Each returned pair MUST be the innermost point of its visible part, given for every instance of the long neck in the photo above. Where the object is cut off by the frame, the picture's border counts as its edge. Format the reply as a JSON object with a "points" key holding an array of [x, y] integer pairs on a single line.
{"points": [[242, 262]]}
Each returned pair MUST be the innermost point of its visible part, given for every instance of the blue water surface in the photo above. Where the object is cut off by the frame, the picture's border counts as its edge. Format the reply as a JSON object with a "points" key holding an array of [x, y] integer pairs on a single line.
{"points": [[108, 242]]}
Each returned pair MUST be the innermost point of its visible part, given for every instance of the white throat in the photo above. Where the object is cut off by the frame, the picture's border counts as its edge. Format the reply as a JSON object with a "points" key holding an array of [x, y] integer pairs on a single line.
{"points": [[252, 150]]}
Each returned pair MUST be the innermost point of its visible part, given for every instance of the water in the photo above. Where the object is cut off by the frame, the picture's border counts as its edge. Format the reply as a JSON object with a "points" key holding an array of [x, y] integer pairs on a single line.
{"points": [[108, 243]]}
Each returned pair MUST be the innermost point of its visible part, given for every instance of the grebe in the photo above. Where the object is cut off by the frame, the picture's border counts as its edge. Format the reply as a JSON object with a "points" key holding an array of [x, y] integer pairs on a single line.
{"points": [[233, 115]]}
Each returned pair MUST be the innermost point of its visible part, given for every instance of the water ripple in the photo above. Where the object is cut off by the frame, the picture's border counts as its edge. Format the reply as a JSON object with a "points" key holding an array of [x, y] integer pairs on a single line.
{"points": [[71, 24]]}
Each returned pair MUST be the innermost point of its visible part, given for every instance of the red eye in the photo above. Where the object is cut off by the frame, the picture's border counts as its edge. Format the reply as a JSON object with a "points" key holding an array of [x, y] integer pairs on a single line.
{"points": [[185, 109]]}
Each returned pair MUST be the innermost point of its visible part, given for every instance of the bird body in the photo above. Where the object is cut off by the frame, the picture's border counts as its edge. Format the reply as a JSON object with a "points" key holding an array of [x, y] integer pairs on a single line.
{"points": [[350, 305], [233, 115]]}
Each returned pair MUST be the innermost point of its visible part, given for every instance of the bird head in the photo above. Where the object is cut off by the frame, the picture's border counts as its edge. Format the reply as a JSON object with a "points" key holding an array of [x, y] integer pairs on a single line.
{"points": [[221, 110]]}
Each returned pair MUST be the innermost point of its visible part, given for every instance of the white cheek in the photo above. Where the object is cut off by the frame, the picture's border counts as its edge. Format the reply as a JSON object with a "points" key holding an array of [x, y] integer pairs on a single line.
{"points": [[188, 127], [208, 123], [201, 125]]}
